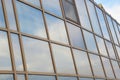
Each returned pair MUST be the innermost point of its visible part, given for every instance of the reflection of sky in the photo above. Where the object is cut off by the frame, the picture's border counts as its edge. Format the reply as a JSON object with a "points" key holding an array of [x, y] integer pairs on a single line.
{"points": [[67, 78], [20, 77], [6, 77], [86, 79], [118, 50], [34, 2]]}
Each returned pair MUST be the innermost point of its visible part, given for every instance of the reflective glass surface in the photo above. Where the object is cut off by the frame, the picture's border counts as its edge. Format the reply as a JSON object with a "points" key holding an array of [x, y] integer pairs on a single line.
{"points": [[34, 2], [37, 55], [6, 77], [20, 77], [118, 50], [67, 78], [86, 79], [63, 59], [31, 20], [76, 37]]}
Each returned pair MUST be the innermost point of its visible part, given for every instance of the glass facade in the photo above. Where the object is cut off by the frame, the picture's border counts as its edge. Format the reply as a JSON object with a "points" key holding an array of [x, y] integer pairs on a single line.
{"points": [[58, 40]]}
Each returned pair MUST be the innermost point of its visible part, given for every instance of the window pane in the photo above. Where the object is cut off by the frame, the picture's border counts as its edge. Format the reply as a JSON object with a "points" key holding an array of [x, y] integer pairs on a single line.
{"points": [[76, 37], [31, 20], [52, 6], [6, 77], [2, 22], [37, 55], [56, 28], [63, 59], [93, 17], [102, 23], [101, 46], [67, 78], [96, 65], [20, 77], [82, 12], [118, 51], [107, 68], [10, 14], [110, 49], [34, 2], [17, 52], [69, 9], [4, 52], [86, 79], [90, 42], [82, 63]]}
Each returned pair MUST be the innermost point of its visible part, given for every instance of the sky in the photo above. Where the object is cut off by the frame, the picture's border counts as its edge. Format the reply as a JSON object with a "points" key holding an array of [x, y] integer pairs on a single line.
{"points": [[112, 7]]}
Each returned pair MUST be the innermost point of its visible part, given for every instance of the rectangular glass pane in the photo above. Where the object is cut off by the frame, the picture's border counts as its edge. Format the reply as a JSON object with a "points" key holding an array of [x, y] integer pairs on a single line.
{"points": [[118, 51], [67, 78], [34, 2], [63, 59], [37, 55], [20, 77], [6, 77], [85, 78]]}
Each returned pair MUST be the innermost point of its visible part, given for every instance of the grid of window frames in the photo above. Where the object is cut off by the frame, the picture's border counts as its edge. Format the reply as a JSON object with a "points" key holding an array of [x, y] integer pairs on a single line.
{"points": [[58, 40]]}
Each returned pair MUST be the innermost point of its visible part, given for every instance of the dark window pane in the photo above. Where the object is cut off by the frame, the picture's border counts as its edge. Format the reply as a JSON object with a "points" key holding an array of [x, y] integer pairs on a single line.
{"points": [[34, 2], [37, 55], [20, 77], [31, 20], [76, 37], [67, 78], [6, 77]]}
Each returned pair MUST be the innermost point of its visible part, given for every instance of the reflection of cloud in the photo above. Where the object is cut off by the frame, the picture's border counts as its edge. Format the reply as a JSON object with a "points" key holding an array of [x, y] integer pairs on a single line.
{"points": [[34, 2]]}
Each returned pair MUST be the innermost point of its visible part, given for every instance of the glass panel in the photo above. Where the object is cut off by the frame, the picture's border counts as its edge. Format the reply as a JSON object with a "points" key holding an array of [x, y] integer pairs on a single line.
{"points": [[110, 49], [85, 79], [82, 63], [67, 78], [20, 77], [4, 52], [34, 2], [17, 52], [82, 12], [56, 28], [10, 14], [31, 20], [76, 37], [96, 64], [100, 79], [37, 55], [69, 9], [102, 23], [107, 67], [116, 69], [63, 59], [39, 77], [118, 50], [90, 41], [6, 77], [2, 22], [101, 46], [93, 17], [52, 6]]}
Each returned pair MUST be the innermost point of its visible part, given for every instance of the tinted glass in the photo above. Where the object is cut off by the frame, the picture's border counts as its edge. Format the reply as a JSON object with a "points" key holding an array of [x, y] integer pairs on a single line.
{"points": [[34, 2], [67, 78], [56, 28], [76, 37], [63, 59], [82, 62], [86, 79], [6, 77], [31, 20], [37, 55], [20, 77]]}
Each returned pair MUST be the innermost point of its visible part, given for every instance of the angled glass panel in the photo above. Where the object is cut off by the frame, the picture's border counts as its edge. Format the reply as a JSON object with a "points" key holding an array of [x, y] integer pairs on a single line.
{"points": [[101, 46], [37, 55], [40, 77], [85, 79], [67, 78], [2, 22], [5, 61], [63, 59], [6, 77], [108, 68], [82, 62], [34, 2], [102, 23], [76, 37], [17, 52], [20, 77], [56, 28], [118, 51], [93, 17], [96, 65], [116, 69], [90, 41], [52, 6], [31, 20], [10, 14], [110, 49], [83, 16]]}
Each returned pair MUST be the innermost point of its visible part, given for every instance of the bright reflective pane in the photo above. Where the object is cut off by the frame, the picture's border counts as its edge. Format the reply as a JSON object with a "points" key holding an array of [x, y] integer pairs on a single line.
{"points": [[56, 28], [5, 61], [10, 14], [90, 41], [118, 50], [100, 79], [67, 78], [63, 59], [82, 12], [96, 65], [101, 46], [85, 78], [37, 55], [82, 63], [76, 37], [107, 67], [52, 6], [17, 52], [2, 22], [93, 17], [34, 2], [6, 77], [20, 77], [31, 20]]}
